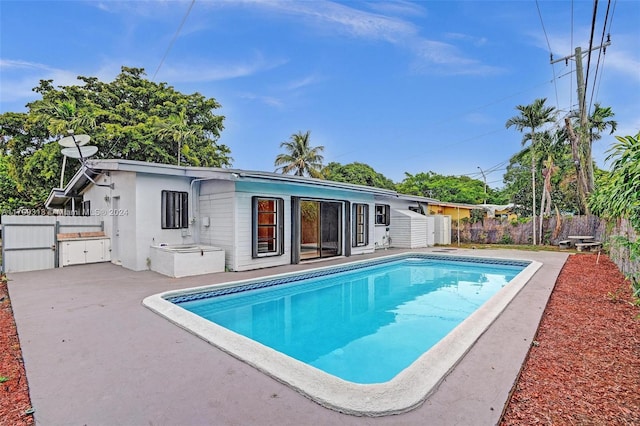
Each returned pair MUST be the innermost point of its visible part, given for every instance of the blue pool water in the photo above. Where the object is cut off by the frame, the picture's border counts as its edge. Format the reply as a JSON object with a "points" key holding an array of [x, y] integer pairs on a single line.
{"points": [[363, 324]]}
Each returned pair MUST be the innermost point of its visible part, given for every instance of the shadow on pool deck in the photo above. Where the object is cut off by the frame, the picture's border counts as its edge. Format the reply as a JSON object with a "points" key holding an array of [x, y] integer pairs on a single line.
{"points": [[94, 355]]}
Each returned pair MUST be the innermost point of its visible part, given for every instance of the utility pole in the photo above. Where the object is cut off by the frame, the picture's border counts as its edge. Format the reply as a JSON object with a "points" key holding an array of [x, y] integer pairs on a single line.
{"points": [[485, 185], [582, 161]]}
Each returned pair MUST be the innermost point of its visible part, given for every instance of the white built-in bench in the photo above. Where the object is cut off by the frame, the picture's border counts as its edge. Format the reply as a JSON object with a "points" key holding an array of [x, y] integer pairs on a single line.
{"points": [[588, 246], [564, 244]]}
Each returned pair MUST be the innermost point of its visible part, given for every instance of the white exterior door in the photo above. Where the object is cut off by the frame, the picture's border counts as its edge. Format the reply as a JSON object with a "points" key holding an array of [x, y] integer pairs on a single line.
{"points": [[115, 238]]}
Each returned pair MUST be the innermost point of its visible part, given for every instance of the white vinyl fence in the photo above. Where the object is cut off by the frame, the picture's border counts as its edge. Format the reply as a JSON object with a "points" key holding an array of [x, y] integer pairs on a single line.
{"points": [[30, 243]]}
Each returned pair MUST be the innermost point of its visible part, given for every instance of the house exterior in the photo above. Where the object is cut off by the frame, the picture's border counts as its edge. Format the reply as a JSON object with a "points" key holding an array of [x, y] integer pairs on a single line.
{"points": [[259, 219], [506, 211], [457, 211]]}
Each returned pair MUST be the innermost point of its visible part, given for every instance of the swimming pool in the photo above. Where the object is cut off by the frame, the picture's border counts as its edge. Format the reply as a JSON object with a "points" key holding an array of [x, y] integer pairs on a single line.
{"points": [[386, 337]]}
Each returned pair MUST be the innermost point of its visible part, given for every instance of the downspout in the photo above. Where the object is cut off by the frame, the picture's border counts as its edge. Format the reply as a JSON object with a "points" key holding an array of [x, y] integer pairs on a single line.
{"points": [[458, 226]]}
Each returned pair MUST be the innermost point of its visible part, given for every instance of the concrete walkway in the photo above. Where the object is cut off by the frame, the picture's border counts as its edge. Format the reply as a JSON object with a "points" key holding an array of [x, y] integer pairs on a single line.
{"points": [[95, 356]]}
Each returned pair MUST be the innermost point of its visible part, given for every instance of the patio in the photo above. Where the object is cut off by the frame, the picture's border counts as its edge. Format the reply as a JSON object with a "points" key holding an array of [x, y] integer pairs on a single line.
{"points": [[95, 355]]}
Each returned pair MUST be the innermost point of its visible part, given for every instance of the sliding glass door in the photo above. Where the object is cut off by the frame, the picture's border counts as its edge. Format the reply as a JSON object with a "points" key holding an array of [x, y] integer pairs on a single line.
{"points": [[320, 229]]}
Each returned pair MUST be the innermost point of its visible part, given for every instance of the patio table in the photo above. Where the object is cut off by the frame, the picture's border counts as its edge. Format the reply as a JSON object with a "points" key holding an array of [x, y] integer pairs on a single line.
{"points": [[579, 239]]}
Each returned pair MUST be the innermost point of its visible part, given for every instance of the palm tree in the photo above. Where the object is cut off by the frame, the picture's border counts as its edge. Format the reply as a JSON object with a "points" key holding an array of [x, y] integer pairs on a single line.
{"points": [[176, 128], [64, 115], [532, 117], [300, 157], [618, 195], [550, 144], [598, 122]]}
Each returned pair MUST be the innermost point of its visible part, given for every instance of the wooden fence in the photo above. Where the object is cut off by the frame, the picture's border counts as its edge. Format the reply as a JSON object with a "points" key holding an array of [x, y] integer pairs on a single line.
{"points": [[554, 229]]}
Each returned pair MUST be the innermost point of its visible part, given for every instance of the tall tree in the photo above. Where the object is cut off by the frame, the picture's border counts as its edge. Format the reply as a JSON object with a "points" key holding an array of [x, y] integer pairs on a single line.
{"points": [[300, 157], [176, 128], [618, 196], [599, 121], [454, 189], [582, 143], [357, 173], [122, 117], [517, 178], [618, 193], [533, 117], [8, 189]]}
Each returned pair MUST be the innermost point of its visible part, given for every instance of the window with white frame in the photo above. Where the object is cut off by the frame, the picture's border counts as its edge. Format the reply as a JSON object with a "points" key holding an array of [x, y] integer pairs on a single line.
{"points": [[175, 210], [360, 235], [383, 214], [268, 226]]}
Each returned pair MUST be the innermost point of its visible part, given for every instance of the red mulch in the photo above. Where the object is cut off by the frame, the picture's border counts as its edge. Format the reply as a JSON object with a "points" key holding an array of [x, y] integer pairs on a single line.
{"points": [[15, 404], [583, 368]]}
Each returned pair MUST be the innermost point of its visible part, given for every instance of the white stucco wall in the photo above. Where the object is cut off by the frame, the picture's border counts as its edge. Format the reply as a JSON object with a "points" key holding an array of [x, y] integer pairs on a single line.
{"points": [[117, 207], [149, 218], [133, 206]]}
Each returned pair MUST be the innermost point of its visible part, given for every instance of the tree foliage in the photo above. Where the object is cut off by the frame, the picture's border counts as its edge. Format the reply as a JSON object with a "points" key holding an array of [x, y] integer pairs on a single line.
{"points": [[599, 121], [618, 193], [532, 117], [454, 189], [357, 173], [300, 157], [125, 119], [8, 189], [562, 183]]}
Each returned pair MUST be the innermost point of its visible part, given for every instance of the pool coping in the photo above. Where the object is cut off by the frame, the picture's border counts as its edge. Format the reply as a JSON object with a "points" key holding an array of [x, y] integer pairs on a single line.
{"points": [[408, 390]]}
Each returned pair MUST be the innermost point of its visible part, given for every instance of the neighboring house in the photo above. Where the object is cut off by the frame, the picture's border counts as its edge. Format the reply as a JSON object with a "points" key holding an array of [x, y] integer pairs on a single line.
{"points": [[457, 211], [500, 211], [259, 219]]}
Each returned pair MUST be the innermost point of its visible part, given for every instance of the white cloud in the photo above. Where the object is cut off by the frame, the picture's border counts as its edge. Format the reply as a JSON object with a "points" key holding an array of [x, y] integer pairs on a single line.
{"points": [[437, 57], [623, 62], [267, 100], [397, 7], [345, 19], [199, 72], [20, 77], [337, 18], [303, 82], [476, 41]]}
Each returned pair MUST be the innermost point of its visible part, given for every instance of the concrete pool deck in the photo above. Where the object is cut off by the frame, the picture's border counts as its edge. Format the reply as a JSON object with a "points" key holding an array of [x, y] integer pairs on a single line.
{"points": [[94, 355]]}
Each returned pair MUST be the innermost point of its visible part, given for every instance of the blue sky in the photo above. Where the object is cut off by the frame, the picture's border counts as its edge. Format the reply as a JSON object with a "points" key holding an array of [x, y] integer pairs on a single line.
{"points": [[402, 86]]}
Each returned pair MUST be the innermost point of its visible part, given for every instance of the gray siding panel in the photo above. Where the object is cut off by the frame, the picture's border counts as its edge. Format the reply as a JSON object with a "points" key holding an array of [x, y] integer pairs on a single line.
{"points": [[28, 242], [220, 209]]}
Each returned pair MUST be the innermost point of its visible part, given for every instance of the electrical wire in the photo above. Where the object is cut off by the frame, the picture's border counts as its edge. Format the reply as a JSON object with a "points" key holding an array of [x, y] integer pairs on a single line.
{"points": [[173, 40], [544, 30], [572, 49], [601, 54], [586, 80]]}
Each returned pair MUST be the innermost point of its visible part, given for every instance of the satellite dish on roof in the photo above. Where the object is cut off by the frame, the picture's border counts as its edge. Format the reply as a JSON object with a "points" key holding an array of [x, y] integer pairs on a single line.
{"points": [[80, 152], [74, 140], [75, 146]]}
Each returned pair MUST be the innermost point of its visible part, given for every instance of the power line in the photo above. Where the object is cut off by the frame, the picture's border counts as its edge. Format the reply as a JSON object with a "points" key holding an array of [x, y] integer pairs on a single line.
{"points": [[173, 40], [571, 83], [593, 28], [553, 69], [601, 55]]}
